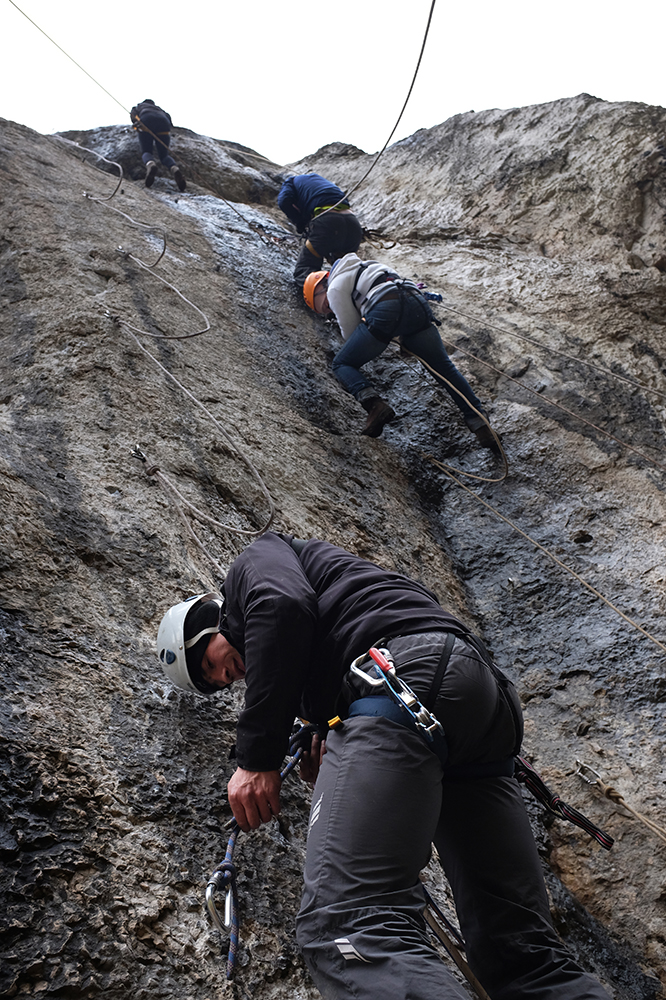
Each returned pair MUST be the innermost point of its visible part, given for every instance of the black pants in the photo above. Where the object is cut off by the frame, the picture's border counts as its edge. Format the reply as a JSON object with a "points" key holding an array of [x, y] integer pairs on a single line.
{"points": [[159, 140], [332, 235], [379, 802]]}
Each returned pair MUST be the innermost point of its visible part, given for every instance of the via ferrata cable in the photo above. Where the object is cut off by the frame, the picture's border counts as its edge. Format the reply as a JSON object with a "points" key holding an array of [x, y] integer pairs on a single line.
{"points": [[547, 552]]}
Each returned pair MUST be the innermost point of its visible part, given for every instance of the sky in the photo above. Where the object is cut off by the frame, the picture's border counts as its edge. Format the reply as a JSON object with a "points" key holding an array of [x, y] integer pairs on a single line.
{"points": [[285, 77]]}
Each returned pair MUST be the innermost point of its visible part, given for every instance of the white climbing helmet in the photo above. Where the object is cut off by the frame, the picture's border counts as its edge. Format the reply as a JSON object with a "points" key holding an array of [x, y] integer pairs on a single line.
{"points": [[171, 642]]}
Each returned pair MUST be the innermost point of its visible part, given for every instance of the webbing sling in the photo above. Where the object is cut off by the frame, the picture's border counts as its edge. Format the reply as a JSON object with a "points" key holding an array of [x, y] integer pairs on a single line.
{"points": [[431, 697], [531, 778]]}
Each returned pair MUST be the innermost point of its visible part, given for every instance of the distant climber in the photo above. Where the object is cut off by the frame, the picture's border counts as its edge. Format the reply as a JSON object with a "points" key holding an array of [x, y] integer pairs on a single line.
{"points": [[153, 126], [303, 199], [373, 305], [293, 617]]}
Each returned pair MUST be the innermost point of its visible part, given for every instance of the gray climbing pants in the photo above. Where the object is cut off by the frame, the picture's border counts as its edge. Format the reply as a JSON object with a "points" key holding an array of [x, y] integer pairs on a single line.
{"points": [[378, 804]]}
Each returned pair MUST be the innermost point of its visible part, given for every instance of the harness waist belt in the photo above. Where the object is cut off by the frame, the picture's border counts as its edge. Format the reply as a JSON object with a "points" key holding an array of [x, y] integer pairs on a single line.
{"points": [[381, 706], [330, 208]]}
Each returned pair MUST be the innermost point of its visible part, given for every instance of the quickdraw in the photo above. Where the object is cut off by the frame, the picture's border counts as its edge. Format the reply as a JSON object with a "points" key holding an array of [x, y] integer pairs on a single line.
{"points": [[224, 875], [385, 677], [525, 773]]}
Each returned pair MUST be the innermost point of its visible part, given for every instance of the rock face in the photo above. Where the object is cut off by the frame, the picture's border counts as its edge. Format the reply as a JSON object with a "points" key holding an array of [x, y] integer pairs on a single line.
{"points": [[543, 228]]}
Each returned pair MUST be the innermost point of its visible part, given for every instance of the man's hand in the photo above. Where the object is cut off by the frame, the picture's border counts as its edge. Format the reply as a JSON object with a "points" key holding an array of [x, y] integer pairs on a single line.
{"points": [[310, 762], [254, 797]]}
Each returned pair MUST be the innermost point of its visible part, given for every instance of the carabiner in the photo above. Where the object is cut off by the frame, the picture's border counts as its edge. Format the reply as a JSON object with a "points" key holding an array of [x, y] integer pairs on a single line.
{"points": [[581, 772]]}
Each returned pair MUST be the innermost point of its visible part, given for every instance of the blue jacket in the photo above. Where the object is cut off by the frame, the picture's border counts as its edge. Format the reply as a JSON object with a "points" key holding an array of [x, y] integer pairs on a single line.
{"points": [[300, 195]]}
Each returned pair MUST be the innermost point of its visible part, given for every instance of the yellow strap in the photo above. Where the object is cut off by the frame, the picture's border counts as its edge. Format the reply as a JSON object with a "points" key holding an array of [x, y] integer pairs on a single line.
{"points": [[312, 250], [328, 208]]}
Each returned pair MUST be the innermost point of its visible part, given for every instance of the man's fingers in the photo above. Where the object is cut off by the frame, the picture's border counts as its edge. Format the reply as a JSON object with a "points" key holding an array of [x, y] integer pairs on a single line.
{"points": [[254, 797]]}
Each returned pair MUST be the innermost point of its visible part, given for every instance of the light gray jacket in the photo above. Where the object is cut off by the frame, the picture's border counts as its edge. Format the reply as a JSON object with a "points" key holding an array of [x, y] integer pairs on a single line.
{"points": [[348, 303]]}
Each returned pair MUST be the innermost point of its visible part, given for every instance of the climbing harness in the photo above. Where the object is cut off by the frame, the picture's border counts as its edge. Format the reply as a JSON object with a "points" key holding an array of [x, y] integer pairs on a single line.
{"points": [[528, 776], [224, 876], [593, 777], [376, 670]]}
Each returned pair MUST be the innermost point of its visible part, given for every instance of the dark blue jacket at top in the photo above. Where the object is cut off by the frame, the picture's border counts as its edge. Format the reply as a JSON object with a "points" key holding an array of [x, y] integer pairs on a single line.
{"points": [[299, 622], [300, 195]]}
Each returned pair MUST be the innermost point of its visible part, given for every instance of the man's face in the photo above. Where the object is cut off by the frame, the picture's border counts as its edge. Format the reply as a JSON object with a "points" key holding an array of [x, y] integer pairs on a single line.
{"points": [[221, 663]]}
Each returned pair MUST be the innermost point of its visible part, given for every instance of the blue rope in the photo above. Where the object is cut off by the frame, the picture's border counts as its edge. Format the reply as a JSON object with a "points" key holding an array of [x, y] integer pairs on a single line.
{"points": [[225, 877]]}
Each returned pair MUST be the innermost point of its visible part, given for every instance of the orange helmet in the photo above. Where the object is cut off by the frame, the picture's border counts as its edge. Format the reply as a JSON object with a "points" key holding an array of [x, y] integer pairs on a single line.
{"points": [[310, 286]]}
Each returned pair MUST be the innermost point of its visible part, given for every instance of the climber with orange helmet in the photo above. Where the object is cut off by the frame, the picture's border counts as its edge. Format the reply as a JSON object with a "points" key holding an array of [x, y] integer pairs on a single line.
{"points": [[373, 305], [318, 208]]}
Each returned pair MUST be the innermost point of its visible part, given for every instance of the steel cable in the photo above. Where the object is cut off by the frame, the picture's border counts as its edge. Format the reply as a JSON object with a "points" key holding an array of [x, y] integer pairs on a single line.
{"points": [[547, 552], [554, 350]]}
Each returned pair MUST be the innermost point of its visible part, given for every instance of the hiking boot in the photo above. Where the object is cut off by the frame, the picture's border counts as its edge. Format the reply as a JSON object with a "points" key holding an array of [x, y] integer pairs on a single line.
{"points": [[151, 170], [379, 413], [486, 439], [178, 177]]}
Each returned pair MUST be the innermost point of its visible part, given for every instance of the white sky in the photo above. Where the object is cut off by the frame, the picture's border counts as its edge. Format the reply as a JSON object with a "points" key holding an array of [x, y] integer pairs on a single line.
{"points": [[287, 76]]}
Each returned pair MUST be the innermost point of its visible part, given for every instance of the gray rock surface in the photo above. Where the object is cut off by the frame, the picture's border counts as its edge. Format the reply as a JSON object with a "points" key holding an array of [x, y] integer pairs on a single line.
{"points": [[544, 223]]}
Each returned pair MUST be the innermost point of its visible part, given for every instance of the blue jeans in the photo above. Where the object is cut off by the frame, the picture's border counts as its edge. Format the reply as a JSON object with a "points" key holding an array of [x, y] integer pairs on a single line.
{"points": [[410, 320]]}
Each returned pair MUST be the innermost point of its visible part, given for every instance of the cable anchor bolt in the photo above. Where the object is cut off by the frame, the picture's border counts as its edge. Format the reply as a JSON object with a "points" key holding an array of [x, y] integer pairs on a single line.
{"points": [[583, 770]]}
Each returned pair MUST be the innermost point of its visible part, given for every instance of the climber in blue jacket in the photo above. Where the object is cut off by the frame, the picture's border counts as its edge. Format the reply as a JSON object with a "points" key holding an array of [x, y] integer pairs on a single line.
{"points": [[319, 210]]}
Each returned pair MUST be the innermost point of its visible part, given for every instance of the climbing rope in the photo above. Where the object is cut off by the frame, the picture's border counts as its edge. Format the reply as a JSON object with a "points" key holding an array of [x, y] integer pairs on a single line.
{"points": [[164, 336], [154, 470], [85, 150], [565, 409], [251, 225], [151, 468], [345, 198], [593, 777], [225, 875], [439, 377], [547, 552]]}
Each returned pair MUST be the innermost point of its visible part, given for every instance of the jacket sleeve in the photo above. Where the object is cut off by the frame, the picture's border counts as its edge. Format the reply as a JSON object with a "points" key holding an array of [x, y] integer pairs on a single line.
{"points": [[340, 301], [268, 589], [288, 203]]}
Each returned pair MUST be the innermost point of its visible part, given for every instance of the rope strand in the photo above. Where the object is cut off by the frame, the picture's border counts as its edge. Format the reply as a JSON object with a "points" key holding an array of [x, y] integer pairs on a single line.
{"points": [[547, 552]]}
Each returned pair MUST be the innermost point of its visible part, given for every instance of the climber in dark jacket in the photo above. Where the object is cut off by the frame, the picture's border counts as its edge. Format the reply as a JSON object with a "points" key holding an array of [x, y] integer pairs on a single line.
{"points": [[294, 616], [330, 234], [153, 126]]}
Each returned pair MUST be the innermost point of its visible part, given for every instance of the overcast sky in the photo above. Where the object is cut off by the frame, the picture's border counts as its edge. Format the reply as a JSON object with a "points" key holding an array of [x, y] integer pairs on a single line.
{"points": [[287, 76]]}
